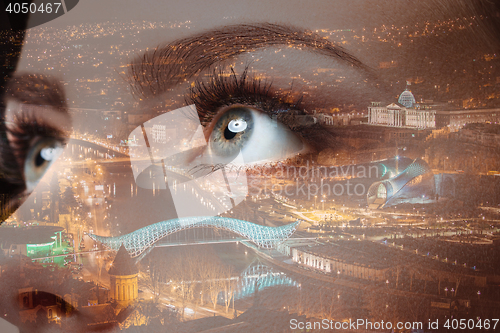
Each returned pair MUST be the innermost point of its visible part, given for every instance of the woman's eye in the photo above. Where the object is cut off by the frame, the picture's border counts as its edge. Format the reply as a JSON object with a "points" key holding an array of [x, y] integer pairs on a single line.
{"points": [[245, 130], [39, 158]]}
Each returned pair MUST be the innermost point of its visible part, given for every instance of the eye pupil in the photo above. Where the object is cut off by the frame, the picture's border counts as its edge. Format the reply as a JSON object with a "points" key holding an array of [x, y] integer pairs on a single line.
{"points": [[39, 160], [228, 134]]}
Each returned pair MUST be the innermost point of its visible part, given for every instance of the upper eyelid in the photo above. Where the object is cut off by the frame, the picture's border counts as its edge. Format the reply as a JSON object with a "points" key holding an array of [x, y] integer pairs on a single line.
{"points": [[222, 90]]}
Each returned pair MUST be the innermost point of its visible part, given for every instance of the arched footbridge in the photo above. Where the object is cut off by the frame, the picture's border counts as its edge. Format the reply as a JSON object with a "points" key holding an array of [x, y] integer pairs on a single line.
{"points": [[139, 242]]}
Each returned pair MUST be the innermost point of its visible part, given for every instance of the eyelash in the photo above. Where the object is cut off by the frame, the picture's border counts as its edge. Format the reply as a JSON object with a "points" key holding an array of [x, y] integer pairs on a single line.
{"points": [[222, 90]]}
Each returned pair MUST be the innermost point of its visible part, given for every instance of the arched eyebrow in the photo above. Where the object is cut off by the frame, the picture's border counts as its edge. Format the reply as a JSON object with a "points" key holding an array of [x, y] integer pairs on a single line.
{"points": [[36, 89], [165, 66]]}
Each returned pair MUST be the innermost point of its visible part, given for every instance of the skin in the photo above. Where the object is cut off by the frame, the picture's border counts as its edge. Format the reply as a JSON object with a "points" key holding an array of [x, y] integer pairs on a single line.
{"points": [[281, 64]]}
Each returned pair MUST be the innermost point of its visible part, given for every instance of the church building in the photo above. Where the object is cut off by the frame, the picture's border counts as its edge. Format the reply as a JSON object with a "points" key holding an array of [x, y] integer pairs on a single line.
{"points": [[123, 277]]}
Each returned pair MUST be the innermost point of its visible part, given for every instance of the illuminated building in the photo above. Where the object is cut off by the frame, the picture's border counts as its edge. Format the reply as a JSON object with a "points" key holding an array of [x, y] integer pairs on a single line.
{"points": [[123, 278], [408, 114], [34, 241], [325, 119], [404, 114], [485, 135], [457, 119], [336, 260], [340, 119], [396, 115], [159, 133], [379, 262]]}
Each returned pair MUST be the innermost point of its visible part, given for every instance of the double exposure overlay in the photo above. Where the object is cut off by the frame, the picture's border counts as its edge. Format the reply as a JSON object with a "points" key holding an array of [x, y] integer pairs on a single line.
{"points": [[266, 166]]}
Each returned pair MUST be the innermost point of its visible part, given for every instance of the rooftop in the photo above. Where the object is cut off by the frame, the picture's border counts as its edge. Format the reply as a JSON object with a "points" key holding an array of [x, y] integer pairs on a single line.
{"points": [[380, 256], [123, 264], [27, 235]]}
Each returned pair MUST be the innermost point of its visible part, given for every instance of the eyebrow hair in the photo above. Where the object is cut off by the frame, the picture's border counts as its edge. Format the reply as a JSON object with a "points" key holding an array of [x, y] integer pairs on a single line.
{"points": [[36, 89], [160, 69]]}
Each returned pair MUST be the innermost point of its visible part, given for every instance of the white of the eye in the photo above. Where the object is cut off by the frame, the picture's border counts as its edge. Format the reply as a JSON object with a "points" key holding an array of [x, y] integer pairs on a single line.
{"points": [[50, 153], [269, 141], [237, 125]]}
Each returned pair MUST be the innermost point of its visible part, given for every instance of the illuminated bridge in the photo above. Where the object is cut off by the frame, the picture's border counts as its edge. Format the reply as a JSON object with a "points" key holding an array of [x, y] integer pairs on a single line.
{"points": [[142, 240], [261, 277]]}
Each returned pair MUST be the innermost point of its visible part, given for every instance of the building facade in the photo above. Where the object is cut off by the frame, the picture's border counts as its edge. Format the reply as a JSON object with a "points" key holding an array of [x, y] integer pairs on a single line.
{"points": [[457, 119], [408, 114], [399, 116], [484, 135], [333, 261]]}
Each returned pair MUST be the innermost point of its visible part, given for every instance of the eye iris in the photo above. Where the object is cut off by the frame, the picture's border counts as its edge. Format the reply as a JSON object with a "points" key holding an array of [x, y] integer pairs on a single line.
{"points": [[234, 127], [232, 131], [38, 160]]}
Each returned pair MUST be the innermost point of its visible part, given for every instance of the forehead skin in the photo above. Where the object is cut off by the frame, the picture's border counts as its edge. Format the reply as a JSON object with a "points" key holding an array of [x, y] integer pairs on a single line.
{"points": [[199, 16]]}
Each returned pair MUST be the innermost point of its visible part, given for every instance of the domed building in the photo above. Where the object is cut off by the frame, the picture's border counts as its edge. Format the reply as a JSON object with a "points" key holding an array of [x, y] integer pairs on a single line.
{"points": [[123, 277], [406, 99], [406, 113]]}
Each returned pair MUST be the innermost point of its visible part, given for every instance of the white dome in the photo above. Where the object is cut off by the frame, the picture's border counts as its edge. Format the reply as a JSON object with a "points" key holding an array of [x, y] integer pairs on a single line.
{"points": [[406, 98]]}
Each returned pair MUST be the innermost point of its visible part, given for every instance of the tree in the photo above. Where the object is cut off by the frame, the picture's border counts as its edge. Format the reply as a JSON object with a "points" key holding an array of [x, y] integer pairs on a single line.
{"points": [[229, 286], [214, 284], [193, 275], [68, 201], [67, 223], [154, 275], [150, 317]]}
